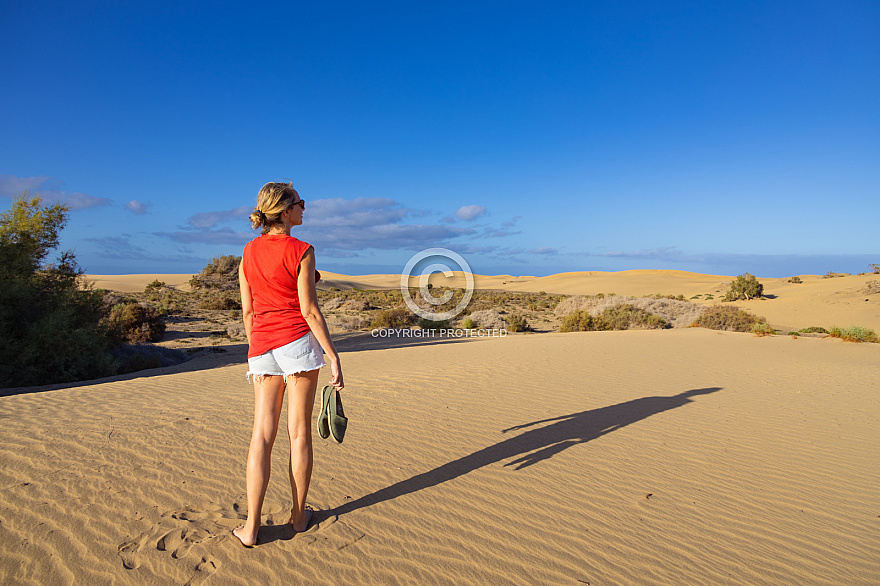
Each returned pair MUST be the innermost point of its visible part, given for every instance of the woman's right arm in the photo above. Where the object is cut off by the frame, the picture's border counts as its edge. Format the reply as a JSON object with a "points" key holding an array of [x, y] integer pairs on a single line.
{"points": [[247, 302]]}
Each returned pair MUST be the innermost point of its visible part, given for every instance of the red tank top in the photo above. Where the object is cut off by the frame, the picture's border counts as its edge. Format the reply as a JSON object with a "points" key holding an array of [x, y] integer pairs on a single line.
{"points": [[271, 267]]}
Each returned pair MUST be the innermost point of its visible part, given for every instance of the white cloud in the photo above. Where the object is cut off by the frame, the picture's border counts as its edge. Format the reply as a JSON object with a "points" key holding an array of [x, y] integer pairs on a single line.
{"points": [[137, 208], [50, 191], [469, 213]]}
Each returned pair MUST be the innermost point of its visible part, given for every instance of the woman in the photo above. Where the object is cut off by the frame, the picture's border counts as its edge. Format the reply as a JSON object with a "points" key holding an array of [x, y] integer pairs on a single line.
{"points": [[286, 333]]}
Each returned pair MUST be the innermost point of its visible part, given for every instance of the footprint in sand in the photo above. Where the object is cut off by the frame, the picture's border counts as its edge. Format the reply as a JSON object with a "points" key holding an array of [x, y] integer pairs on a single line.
{"points": [[130, 551], [204, 570], [180, 541], [177, 532]]}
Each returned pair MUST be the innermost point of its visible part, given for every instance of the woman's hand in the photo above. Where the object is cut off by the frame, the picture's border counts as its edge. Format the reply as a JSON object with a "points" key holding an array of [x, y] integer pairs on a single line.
{"points": [[336, 374]]}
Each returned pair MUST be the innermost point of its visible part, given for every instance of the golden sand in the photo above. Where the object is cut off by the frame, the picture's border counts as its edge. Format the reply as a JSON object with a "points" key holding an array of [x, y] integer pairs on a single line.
{"points": [[637, 457]]}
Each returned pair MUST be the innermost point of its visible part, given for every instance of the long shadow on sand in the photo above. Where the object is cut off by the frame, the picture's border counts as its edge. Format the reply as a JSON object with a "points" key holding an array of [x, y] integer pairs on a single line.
{"points": [[535, 445]]}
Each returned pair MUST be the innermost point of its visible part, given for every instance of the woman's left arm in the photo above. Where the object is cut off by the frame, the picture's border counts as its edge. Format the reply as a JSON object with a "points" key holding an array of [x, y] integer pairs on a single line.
{"points": [[311, 311]]}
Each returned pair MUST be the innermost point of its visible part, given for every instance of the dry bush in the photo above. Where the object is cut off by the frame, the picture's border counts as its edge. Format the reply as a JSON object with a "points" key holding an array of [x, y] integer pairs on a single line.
{"points": [[351, 323], [392, 318], [872, 287], [357, 305], [236, 331], [728, 318], [221, 300], [488, 319], [132, 322], [332, 303], [677, 313]]}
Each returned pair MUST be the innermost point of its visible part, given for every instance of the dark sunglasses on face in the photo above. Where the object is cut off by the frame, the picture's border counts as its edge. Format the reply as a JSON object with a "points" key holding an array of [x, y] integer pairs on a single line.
{"points": [[301, 203]]}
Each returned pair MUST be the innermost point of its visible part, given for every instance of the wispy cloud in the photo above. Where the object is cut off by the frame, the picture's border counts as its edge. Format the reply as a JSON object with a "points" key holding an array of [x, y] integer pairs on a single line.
{"points": [[120, 248], [338, 227], [137, 208], [470, 213], [211, 219], [50, 191]]}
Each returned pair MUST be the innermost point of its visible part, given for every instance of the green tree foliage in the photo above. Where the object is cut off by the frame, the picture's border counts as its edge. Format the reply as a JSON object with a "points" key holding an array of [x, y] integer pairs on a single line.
{"points": [[49, 327], [745, 286]]}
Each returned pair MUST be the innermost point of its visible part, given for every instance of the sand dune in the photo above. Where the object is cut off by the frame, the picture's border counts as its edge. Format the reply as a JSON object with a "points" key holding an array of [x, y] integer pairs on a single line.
{"points": [[636, 457], [817, 301]]}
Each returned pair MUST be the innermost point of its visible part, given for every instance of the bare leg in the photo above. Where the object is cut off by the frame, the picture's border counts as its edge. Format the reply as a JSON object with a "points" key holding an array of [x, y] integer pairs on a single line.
{"points": [[268, 397], [300, 402]]}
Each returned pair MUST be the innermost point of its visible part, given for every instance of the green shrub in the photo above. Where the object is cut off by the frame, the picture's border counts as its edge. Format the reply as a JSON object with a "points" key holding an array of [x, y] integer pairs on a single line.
{"points": [[517, 323], [132, 322], [854, 334], [727, 318], [155, 286], [622, 317], [763, 329], [795, 280], [745, 286], [427, 324], [813, 330], [468, 324], [392, 318], [221, 301], [221, 273], [619, 317], [50, 327], [875, 268], [581, 321]]}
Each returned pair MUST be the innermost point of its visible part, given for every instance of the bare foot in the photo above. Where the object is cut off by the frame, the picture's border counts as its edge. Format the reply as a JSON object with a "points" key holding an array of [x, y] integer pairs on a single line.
{"points": [[304, 524], [247, 542]]}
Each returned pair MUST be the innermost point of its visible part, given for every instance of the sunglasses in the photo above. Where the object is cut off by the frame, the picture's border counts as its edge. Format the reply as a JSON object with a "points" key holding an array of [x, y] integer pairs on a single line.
{"points": [[301, 203]]}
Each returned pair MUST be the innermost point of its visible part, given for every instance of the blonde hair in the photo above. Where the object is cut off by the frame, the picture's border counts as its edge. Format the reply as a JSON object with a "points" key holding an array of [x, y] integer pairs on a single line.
{"points": [[273, 199]]}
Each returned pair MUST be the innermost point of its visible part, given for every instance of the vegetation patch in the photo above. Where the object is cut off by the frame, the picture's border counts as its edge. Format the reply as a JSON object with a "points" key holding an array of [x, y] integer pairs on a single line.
{"points": [[745, 286], [763, 329], [795, 280], [133, 323], [517, 323], [727, 318], [854, 334], [813, 330], [674, 311], [619, 317]]}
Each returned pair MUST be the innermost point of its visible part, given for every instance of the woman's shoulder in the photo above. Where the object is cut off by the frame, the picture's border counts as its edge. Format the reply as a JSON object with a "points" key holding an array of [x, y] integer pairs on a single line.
{"points": [[297, 243]]}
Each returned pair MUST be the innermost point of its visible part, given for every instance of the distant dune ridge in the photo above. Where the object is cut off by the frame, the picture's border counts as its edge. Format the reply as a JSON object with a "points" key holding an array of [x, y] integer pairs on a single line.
{"points": [[817, 301], [649, 457]]}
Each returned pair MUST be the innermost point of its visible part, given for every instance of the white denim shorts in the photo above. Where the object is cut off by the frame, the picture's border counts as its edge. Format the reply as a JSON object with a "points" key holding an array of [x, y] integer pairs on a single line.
{"points": [[301, 355]]}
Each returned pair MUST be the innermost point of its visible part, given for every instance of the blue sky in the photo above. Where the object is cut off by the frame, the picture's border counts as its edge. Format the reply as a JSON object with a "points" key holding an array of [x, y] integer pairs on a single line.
{"points": [[531, 138]]}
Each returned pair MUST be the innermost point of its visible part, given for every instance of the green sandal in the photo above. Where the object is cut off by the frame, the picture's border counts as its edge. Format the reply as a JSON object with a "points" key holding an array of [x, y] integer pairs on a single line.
{"points": [[324, 415], [338, 420]]}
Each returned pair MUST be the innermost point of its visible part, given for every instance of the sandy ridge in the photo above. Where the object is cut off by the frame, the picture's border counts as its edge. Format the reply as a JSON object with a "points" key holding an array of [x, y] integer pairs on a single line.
{"points": [[527, 459]]}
